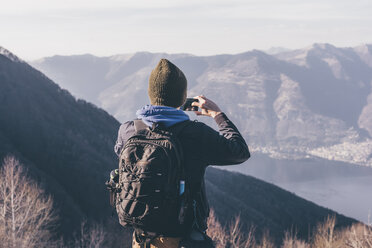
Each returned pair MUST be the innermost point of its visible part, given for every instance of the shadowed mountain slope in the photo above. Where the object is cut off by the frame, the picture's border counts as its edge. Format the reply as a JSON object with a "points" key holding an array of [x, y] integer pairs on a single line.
{"points": [[70, 141]]}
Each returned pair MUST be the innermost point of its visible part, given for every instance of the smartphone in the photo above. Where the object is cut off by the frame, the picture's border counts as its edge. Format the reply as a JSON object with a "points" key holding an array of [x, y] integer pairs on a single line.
{"points": [[187, 106]]}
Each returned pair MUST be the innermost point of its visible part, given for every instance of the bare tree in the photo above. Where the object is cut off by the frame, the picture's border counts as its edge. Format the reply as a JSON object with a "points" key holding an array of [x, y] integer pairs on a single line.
{"points": [[326, 236], [240, 238], [217, 233], [26, 213], [233, 236], [290, 240], [359, 236], [266, 241], [90, 236]]}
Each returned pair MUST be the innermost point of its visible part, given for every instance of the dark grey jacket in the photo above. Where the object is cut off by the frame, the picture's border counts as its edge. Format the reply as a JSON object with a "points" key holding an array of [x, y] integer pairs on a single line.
{"points": [[202, 146]]}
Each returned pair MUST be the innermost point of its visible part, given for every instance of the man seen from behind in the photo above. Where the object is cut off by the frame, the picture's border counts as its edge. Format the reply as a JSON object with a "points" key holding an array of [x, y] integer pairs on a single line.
{"points": [[197, 144]]}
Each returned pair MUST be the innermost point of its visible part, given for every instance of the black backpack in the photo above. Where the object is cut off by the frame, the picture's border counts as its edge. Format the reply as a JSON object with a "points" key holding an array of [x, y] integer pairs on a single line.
{"points": [[152, 192]]}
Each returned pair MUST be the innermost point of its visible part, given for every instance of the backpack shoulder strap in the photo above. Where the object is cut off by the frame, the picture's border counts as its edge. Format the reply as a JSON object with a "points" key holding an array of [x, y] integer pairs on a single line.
{"points": [[139, 125]]}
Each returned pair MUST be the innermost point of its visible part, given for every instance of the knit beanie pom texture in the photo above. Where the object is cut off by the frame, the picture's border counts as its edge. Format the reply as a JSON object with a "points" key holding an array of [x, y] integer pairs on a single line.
{"points": [[167, 85]]}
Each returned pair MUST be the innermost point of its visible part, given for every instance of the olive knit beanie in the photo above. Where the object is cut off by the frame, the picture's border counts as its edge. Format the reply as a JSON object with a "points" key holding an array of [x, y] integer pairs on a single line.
{"points": [[167, 85]]}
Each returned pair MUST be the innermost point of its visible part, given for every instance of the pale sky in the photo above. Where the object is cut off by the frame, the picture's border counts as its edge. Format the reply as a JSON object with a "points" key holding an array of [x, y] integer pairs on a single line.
{"points": [[36, 28]]}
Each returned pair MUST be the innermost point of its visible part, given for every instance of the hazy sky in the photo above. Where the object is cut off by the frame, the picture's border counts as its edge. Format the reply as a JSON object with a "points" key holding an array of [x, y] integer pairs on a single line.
{"points": [[35, 28]]}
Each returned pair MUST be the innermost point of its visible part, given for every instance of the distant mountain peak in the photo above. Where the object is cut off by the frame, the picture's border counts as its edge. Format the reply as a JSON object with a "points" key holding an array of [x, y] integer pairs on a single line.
{"points": [[276, 50], [365, 52], [9, 55], [316, 47], [121, 57], [322, 46], [364, 49]]}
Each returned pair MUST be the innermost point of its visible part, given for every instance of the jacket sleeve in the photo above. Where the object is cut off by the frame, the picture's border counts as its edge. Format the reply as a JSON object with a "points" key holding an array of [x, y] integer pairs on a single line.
{"points": [[226, 146]]}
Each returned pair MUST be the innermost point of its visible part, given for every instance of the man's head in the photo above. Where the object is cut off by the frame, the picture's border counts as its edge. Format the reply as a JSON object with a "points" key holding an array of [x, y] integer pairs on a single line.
{"points": [[167, 85]]}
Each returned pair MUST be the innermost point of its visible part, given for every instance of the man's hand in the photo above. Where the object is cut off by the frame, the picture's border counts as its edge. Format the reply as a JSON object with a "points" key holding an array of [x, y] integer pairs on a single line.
{"points": [[208, 107]]}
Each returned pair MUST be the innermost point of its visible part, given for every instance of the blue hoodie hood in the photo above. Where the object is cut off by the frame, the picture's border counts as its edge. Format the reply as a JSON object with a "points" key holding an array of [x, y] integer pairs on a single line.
{"points": [[166, 116]]}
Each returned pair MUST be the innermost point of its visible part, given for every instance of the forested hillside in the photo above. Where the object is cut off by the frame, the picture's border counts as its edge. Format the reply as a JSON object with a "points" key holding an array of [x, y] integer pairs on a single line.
{"points": [[68, 143]]}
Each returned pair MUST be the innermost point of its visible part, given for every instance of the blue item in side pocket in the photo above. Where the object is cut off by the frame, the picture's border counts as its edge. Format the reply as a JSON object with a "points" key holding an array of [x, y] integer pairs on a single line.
{"points": [[182, 187]]}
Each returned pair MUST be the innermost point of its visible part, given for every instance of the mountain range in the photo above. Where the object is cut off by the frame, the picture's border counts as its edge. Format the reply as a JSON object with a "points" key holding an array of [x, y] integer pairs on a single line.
{"points": [[67, 146], [305, 113], [306, 103]]}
